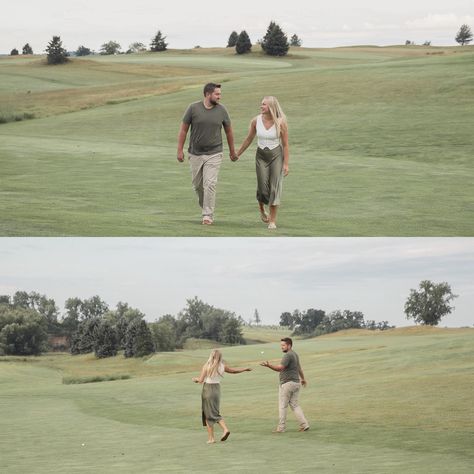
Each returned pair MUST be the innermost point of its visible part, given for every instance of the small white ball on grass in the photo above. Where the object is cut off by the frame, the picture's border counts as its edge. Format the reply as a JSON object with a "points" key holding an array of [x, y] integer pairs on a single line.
{"points": [[263, 352]]}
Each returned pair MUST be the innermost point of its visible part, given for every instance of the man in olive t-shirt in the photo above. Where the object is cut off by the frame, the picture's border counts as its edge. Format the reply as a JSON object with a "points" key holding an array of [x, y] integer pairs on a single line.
{"points": [[291, 379], [206, 119]]}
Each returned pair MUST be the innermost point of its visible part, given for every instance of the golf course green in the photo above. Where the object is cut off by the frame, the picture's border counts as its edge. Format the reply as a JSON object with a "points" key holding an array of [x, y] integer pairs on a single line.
{"points": [[381, 142], [378, 402]]}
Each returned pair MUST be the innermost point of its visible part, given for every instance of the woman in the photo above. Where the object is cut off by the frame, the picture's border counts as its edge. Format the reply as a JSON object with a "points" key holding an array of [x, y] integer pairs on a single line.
{"points": [[211, 375], [272, 156]]}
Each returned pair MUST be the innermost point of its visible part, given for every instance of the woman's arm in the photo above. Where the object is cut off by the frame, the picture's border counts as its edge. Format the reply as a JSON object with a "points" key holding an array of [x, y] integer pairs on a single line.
{"points": [[231, 370], [250, 136], [286, 150], [201, 377]]}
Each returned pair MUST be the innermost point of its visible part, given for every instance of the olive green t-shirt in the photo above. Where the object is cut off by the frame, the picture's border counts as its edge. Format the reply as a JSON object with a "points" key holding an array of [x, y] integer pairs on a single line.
{"points": [[206, 126], [291, 363]]}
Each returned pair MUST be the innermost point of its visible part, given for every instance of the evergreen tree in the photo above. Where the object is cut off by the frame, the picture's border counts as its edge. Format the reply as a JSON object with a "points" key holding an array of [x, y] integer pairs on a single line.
{"points": [[138, 339], [234, 36], [56, 54], [105, 343], [295, 41], [83, 340], [464, 35], [275, 42], [14, 52], [158, 43], [27, 49], [243, 45]]}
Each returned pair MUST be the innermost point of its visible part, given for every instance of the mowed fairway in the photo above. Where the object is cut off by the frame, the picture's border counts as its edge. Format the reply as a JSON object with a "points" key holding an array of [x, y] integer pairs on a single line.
{"points": [[398, 401], [381, 143]]}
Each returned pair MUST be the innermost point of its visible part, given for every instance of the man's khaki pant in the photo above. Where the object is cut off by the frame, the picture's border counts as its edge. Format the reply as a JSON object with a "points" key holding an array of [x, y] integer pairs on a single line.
{"points": [[288, 395], [204, 172]]}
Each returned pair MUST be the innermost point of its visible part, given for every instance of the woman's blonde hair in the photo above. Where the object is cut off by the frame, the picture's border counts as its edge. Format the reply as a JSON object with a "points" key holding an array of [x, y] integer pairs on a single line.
{"points": [[213, 364], [276, 112]]}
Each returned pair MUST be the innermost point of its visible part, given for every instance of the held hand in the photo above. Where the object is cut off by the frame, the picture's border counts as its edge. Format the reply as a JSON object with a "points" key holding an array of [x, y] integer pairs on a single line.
{"points": [[285, 170], [234, 156], [180, 156]]}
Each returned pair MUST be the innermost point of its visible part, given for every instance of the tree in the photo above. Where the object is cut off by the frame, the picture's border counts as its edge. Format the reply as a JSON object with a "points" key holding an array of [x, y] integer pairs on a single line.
{"points": [[286, 319], [27, 49], [93, 308], [308, 321], [136, 48], [83, 340], [164, 334], [138, 340], [14, 52], [232, 332], [275, 42], [256, 317], [56, 54], [243, 45], [464, 35], [105, 343], [158, 42], [111, 47], [22, 331], [232, 41], [430, 303], [295, 41], [83, 51]]}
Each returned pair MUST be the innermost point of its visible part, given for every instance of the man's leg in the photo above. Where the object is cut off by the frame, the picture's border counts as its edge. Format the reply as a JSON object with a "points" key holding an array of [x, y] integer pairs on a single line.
{"points": [[196, 164], [283, 401], [210, 173], [294, 405]]}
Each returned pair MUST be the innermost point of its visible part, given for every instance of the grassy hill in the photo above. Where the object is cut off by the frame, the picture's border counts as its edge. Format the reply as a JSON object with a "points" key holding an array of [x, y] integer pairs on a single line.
{"points": [[381, 402], [381, 142]]}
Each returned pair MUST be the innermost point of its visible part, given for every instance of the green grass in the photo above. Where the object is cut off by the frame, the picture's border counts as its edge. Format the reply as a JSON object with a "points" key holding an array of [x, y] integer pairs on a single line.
{"points": [[381, 143], [396, 401]]}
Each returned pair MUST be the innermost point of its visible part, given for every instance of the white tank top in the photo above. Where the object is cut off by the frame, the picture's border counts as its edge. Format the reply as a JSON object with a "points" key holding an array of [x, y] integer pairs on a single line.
{"points": [[266, 138], [216, 378]]}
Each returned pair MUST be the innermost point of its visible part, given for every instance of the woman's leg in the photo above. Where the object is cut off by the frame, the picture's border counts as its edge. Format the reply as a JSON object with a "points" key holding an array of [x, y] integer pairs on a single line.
{"points": [[210, 433], [263, 213], [225, 430], [273, 214]]}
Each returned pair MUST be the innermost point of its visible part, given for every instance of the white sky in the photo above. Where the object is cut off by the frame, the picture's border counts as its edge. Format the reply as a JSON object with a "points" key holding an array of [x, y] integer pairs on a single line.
{"points": [[188, 23], [157, 275]]}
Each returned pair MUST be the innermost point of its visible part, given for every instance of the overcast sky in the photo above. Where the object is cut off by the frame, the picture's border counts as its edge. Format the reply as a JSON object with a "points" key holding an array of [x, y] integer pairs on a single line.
{"points": [[157, 275], [188, 23]]}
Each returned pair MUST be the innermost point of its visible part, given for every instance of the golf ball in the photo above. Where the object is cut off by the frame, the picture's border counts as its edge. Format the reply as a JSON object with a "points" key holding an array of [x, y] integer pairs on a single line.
{"points": [[262, 352]]}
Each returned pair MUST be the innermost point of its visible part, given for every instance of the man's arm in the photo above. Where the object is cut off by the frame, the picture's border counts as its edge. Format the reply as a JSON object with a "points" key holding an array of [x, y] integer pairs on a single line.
{"points": [[276, 368], [183, 131], [300, 371], [230, 141]]}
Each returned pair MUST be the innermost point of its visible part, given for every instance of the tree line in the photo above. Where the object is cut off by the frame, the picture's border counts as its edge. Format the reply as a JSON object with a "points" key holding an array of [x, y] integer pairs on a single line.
{"points": [[274, 43], [30, 323]]}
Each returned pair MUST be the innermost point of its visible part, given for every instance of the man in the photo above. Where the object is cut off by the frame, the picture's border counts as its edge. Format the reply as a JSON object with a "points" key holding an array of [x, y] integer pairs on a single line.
{"points": [[206, 119], [291, 379]]}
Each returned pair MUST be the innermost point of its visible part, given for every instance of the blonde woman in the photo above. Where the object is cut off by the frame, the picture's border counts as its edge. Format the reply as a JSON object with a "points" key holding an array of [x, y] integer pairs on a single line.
{"points": [[211, 376], [272, 156]]}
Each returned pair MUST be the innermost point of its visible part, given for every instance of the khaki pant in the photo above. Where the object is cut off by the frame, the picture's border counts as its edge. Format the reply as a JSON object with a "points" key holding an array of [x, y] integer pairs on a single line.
{"points": [[204, 172], [288, 395]]}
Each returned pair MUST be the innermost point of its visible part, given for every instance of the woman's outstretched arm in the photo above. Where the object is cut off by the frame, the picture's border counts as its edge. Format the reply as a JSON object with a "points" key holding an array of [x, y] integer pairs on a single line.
{"points": [[239, 370], [250, 137]]}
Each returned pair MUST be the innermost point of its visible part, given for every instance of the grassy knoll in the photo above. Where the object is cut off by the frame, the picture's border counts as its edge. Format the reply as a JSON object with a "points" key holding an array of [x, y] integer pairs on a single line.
{"points": [[381, 143], [397, 401]]}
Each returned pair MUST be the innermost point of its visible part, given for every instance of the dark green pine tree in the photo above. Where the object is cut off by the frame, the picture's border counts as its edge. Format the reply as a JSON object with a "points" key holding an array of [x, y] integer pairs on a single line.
{"points": [[14, 52], [158, 42], [138, 339], [275, 42], [243, 45], [27, 49], [105, 343], [234, 36], [56, 53]]}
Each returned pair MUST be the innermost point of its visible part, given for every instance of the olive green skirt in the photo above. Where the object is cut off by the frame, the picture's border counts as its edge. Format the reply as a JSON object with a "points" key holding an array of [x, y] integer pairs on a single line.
{"points": [[269, 168], [211, 398]]}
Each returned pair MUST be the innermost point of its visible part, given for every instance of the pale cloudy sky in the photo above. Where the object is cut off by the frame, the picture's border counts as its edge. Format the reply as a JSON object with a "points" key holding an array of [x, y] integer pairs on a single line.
{"points": [[188, 23], [157, 275]]}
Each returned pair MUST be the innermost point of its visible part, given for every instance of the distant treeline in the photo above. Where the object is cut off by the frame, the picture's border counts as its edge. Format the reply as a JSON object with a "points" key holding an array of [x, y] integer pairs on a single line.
{"points": [[315, 322], [30, 324]]}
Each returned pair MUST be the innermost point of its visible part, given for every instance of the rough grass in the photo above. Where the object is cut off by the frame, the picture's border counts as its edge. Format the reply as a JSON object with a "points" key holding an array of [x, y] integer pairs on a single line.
{"points": [[394, 401]]}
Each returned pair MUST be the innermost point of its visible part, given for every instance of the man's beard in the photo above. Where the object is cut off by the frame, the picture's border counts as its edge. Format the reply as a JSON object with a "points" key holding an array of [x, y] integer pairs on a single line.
{"points": [[213, 102]]}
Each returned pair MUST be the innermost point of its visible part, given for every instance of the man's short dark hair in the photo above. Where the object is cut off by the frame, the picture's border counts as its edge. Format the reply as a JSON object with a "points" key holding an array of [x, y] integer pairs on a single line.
{"points": [[209, 88], [287, 340]]}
